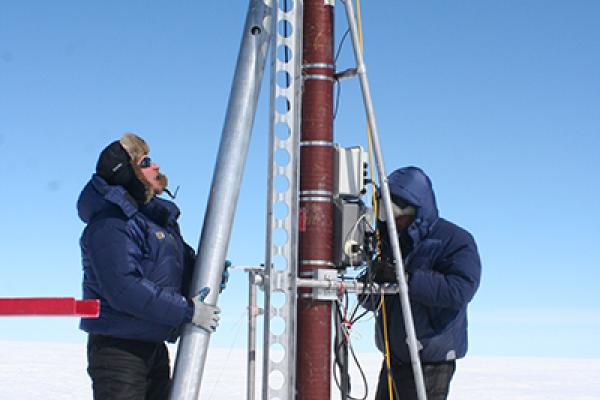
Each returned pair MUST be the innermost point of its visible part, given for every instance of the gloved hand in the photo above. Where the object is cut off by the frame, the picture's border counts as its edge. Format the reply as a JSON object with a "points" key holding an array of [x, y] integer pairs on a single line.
{"points": [[225, 276], [382, 271], [206, 316]]}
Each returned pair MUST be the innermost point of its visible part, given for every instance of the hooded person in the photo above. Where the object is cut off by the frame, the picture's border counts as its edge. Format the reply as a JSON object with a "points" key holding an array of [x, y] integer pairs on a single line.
{"points": [[138, 265], [443, 272]]}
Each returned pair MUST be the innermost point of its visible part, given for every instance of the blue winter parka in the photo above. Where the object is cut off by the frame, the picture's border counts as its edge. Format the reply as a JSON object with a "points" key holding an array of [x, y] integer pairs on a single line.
{"points": [[135, 262], [444, 270]]}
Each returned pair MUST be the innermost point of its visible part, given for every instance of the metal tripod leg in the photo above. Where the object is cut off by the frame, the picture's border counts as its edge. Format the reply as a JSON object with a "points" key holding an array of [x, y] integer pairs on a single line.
{"points": [[385, 194], [216, 231]]}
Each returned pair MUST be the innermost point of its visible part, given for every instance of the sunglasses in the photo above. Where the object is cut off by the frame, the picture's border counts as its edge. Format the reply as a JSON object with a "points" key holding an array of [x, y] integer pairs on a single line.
{"points": [[146, 162]]}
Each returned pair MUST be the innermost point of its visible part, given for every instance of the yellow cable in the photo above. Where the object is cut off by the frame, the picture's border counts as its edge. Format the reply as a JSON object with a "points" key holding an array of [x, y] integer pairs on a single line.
{"points": [[372, 172], [360, 41], [359, 23], [387, 348], [375, 210]]}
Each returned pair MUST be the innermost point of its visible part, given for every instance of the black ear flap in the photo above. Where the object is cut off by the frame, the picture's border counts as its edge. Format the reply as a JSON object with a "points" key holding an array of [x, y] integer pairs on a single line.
{"points": [[114, 165], [136, 188]]}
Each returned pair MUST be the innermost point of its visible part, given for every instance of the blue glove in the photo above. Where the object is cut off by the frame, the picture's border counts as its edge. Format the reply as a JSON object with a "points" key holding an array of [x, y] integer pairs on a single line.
{"points": [[225, 276]]}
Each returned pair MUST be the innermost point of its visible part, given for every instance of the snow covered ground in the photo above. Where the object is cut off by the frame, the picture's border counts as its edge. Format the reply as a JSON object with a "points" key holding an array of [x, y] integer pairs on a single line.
{"points": [[57, 371]]}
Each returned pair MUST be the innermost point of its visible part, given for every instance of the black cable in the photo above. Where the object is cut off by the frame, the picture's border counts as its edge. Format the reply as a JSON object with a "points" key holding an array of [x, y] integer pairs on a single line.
{"points": [[340, 342], [346, 342], [337, 97], [365, 312], [339, 49], [367, 288], [346, 303], [362, 375], [367, 298], [339, 85]]}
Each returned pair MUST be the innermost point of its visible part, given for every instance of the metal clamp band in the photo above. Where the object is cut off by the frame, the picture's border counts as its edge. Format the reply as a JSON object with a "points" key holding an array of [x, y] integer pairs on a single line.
{"points": [[318, 65], [324, 263], [324, 143], [316, 199], [317, 77], [316, 193]]}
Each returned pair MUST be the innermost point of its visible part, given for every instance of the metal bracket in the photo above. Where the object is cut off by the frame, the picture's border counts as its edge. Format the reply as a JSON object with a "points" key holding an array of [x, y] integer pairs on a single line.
{"points": [[346, 74], [325, 293]]}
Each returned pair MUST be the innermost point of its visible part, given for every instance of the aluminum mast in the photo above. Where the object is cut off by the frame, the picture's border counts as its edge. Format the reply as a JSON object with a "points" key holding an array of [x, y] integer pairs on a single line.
{"points": [[218, 220]]}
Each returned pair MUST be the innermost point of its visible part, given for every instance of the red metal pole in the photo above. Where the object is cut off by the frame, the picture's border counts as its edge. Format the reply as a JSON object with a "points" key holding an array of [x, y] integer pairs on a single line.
{"points": [[316, 207]]}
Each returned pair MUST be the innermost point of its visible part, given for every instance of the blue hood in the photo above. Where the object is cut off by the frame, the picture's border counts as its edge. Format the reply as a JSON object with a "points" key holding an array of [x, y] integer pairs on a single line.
{"points": [[413, 186], [100, 197]]}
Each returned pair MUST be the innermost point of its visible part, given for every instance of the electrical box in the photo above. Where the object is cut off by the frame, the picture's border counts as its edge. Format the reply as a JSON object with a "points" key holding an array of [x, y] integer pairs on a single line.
{"points": [[350, 226], [349, 171]]}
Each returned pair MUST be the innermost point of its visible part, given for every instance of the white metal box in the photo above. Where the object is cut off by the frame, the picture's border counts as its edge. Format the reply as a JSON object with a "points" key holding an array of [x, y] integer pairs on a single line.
{"points": [[349, 171]]}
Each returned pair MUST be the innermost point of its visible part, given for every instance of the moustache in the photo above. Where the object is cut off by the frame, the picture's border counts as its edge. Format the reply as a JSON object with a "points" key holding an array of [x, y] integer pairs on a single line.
{"points": [[162, 181]]}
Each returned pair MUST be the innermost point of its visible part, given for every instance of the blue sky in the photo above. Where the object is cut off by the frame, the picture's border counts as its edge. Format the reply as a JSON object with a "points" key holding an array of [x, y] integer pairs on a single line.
{"points": [[499, 102]]}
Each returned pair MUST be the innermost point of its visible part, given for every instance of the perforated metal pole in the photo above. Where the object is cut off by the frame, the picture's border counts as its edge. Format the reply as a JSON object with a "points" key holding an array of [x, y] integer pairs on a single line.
{"points": [[385, 194], [218, 220], [281, 244]]}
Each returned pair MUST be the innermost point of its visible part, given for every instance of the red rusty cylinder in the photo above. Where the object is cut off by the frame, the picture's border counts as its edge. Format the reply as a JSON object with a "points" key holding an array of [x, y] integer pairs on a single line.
{"points": [[317, 218], [316, 207], [317, 163]]}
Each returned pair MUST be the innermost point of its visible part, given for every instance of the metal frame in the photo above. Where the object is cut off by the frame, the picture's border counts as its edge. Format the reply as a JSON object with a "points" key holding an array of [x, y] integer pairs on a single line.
{"points": [[282, 207], [385, 195]]}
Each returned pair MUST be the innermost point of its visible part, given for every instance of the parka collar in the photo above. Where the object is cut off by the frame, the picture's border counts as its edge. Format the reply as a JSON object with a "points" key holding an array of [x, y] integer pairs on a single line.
{"points": [[116, 195], [161, 211], [98, 196]]}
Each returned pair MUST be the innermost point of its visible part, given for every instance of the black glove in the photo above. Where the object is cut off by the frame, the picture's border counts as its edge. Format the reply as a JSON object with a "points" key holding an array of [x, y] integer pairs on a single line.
{"points": [[382, 272]]}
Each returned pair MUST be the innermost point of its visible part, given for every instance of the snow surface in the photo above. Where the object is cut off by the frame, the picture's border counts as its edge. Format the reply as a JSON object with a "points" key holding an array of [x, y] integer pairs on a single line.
{"points": [[57, 371]]}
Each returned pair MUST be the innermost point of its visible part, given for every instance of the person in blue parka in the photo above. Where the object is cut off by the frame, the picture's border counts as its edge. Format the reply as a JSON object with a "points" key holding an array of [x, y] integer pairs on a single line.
{"points": [[443, 269], [137, 264]]}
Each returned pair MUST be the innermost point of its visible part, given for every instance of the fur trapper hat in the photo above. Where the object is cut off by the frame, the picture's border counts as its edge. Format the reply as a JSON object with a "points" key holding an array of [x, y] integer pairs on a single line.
{"points": [[135, 146], [118, 165]]}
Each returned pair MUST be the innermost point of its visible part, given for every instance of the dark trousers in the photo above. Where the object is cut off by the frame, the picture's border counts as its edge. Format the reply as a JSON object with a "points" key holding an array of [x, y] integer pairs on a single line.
{"points": [[437, 378], [128, 369]]}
